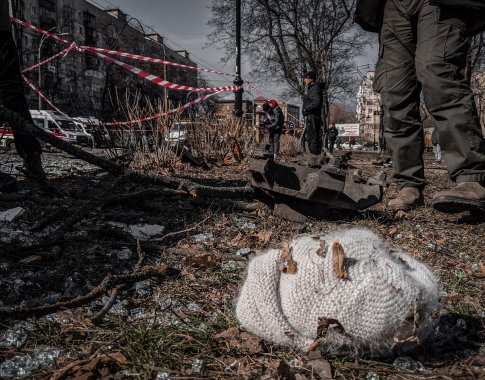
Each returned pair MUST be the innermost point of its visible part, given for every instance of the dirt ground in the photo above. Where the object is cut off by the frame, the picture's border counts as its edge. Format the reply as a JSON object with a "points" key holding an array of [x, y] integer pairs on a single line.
{"points": [[74, 246]]}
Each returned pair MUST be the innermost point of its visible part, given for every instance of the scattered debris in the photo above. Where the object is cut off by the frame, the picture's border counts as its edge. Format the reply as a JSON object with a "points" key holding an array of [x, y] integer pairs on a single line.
{"points": [[230, 266], [197, 365], [144, 232], [200, 238], [243, 252], [232, 368], [405, 363], [23, 366], [11, 214], [16, 335]]}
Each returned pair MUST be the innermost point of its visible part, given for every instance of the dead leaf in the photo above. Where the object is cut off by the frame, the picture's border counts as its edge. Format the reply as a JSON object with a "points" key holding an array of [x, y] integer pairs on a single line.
{"points": [[440, 241], [201, 260], [314, 345], [325, 323], [88, 368], [287, 264], [393, 231], [189, 275], [452, 298], [264, 236], [320, 366], [481, 264], [241, 341], [338, 259], [321, 250]]}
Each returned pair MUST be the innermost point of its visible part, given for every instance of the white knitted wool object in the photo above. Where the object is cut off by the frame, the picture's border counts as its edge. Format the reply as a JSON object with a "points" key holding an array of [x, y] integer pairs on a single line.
{"points": [[388, 298]]}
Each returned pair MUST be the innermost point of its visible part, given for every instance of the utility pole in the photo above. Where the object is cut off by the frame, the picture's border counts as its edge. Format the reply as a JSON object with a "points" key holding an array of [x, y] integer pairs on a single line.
{"points": [[238, 111]]}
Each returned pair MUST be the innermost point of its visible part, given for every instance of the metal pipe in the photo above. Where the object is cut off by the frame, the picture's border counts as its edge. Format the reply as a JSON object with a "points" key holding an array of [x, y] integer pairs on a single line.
{"points": [[238, 111]]}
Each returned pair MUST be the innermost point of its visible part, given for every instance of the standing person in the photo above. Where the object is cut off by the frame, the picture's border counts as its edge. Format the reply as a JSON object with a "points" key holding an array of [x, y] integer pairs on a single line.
{"points": [[423, 48], [276, 127], [312, 110], [436, 146], [332, 136], [12, 98]]}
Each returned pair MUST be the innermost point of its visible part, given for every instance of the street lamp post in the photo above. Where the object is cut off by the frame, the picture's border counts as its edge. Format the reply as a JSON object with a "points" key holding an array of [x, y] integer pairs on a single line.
{"points": [[43, 38], [238, 111], [165, 94]]}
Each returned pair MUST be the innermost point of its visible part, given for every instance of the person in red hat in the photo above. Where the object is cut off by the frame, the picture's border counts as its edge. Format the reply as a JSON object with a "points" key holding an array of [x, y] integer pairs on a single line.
{"points": [[272, 108]]}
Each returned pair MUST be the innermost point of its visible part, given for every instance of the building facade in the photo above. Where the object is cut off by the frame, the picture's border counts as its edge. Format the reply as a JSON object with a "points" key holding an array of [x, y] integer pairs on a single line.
{"points": [[81, 84], [368, 109]]}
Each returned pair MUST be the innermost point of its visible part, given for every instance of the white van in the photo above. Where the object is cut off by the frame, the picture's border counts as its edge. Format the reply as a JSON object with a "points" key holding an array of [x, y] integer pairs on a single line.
{"points": [[96, 134], [57, 123]]}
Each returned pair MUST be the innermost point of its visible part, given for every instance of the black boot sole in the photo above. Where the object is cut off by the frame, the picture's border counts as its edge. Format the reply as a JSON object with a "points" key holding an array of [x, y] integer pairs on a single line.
{"points": [[455, 205]]}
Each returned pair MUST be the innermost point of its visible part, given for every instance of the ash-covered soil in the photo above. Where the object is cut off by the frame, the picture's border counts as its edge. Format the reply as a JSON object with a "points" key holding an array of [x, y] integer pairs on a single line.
{"points": [[106, 244]]}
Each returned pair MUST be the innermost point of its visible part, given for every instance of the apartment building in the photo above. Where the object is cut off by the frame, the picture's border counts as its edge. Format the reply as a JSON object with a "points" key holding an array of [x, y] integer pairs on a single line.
{"points": [[368, 108], [82, 84]]}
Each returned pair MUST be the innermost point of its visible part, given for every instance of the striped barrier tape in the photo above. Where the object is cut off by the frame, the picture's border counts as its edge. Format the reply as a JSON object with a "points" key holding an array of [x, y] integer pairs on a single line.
{"points": [[27, 25], [61, 53], [131, 122], [158, 116], [157, 80], [155, 60], [152, 78], [32, 86]]}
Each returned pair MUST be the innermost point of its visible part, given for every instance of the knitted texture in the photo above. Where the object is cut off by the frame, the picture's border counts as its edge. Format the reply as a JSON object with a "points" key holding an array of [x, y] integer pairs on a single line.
{"points": [[387, 300]]}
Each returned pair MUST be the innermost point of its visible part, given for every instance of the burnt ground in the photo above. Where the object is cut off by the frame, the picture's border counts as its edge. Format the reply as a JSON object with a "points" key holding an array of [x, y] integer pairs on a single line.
{"points": [[179, 323]]}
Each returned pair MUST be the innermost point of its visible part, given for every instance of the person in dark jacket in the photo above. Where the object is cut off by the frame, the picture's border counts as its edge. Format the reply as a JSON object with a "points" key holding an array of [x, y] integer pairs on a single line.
{"points": [[12, 98], [423, 49], [332, 136], [312, 110], [276, 126]]}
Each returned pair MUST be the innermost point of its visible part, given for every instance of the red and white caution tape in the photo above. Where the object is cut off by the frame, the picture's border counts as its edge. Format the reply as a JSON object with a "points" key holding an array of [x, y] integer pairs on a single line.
{"points": [[158, 116], [155, 60], [32, 86], [152, 78], [61, 53], [253, 87], [27, 25], [157, 80]]}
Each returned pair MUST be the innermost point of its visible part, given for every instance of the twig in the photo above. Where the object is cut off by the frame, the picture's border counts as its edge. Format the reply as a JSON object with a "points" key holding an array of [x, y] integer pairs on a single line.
{"points": [[175, 233], [108, 282], [98, 317]]}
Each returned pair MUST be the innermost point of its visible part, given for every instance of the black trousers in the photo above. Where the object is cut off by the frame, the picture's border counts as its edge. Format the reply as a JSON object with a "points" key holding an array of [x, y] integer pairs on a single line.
{"points": [[313, 134], [12, 94], [424, 50]]}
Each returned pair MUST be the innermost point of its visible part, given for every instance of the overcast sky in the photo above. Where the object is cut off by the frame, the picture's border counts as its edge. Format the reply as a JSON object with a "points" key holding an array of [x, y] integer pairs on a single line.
{"points": [[184, 23]]}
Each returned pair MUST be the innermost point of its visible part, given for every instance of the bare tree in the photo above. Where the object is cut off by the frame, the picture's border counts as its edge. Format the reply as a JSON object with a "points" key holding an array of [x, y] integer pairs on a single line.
{"points": [[285, 38]]}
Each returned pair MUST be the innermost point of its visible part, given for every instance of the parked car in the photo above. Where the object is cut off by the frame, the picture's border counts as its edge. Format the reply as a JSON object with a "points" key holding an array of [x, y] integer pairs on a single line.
{"points": [[6, 136], [355, 146], [98, 134], [369, 145], [178, 132], [86, 138], [60, 125]]}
